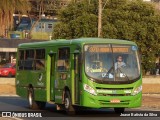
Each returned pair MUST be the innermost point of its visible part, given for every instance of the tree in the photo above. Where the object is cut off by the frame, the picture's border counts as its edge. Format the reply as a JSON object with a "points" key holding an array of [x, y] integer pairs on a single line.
{"points": [[155, 0], [7, 9], [77, 19], [133, 20], [44, 7], [51, 7]]}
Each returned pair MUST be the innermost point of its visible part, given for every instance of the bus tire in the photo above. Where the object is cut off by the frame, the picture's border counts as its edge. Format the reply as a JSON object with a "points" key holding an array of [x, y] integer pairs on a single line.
{"points": [[41, 105], [68, 104], [119, 110], [32, 103]]}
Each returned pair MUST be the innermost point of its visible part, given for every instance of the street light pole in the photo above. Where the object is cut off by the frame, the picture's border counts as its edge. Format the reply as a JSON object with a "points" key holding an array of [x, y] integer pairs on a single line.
{"points": [[100, 18]]}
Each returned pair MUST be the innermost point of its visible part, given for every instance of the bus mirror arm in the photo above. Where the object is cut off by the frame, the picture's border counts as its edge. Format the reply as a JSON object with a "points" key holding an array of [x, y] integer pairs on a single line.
{"points": [[51, 53], [76, 52]]}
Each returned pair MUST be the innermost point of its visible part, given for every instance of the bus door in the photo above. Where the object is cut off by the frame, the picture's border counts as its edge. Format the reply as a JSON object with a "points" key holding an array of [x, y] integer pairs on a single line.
{"points": [[77, 77], [52, 75], [63, 73]]}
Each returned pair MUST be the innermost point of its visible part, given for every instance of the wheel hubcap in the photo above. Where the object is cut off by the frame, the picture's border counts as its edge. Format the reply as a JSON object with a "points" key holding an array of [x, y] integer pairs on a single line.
{"points": [[66, 103], [30, 99]]}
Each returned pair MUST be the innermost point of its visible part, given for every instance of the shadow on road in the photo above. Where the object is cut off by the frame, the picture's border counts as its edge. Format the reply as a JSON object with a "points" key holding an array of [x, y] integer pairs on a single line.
{"points": [[14, 103], [18, 104]]}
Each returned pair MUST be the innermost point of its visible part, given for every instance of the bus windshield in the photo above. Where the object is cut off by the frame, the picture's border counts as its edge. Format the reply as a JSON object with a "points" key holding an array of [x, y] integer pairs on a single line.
{"points": [[112, 62]]}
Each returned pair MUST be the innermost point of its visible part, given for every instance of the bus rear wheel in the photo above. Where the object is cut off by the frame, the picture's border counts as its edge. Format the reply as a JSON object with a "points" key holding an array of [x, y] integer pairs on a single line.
{"points": [[119, 110], [32, 103], [69, 108]]}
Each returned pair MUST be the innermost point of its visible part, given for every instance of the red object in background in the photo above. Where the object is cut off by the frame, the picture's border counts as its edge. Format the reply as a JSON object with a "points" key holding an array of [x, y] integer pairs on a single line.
{"points": [[8, 70]]}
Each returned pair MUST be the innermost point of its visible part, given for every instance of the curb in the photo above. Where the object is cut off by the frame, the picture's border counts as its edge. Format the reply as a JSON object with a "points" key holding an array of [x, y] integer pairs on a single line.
{"points": [[9, 95]]}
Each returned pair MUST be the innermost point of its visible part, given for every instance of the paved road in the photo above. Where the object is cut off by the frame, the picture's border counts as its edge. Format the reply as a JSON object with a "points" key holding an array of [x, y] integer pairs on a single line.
{"points": [[20, 106]]}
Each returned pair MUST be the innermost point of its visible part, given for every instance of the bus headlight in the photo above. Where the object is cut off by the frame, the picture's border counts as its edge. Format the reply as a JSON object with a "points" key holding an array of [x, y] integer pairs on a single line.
{"points": [[89, 89], [137, 90]]}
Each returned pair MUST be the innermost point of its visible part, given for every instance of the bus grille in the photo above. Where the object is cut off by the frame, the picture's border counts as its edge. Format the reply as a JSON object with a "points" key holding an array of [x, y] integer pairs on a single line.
{"points": [[102, 94], [115, 88], [114, 91]]}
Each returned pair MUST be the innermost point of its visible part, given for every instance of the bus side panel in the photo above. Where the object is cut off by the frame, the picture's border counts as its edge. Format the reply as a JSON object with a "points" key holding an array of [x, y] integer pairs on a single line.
{"points": [[38, 81], [22, 84], [60, 84], [58, 95], [34, 79], [40, 94], [22, 91]]}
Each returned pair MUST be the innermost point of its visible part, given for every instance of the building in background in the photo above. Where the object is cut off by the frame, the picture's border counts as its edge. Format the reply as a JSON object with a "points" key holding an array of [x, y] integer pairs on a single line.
{"points": [[42, 25], [8, 49]]}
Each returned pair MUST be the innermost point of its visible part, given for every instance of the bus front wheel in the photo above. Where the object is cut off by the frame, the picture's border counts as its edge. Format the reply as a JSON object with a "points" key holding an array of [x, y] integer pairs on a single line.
{"points": [[68, 104], [41, 105]]}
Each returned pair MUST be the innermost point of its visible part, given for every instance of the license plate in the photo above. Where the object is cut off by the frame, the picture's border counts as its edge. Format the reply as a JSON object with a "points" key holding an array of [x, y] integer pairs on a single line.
{"points": [[115, 101]]}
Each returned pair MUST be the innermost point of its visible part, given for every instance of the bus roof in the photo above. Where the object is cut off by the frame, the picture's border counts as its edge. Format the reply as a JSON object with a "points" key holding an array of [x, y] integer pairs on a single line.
{"points": [[79, 41]]}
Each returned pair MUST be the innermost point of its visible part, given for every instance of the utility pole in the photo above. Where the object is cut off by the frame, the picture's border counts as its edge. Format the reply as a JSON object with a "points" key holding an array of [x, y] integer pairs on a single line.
{"points": [[100, 18]]}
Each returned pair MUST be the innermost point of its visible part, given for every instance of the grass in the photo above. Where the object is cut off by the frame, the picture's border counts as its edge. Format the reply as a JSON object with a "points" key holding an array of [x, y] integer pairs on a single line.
{"points": [[34, 35], [40, 35]]}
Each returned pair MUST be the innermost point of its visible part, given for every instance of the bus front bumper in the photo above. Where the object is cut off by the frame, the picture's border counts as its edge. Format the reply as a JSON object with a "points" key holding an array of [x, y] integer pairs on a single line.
{"points": [[111, 101]]}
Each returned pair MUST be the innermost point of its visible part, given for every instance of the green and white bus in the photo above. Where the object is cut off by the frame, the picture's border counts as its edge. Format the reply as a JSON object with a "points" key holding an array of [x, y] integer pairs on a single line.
{"points": [[80, 73]]}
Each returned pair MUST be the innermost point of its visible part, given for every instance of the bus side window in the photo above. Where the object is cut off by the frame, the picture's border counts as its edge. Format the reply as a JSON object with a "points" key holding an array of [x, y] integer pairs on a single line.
{"points": [[29, 60], [40, 59], [21, 60], [28, 65], [63, 59], [39, 64]]}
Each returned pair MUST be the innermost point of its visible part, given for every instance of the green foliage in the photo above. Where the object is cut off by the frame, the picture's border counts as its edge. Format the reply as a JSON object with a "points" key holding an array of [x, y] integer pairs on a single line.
{"points": [[133, 20], [77, 20]]}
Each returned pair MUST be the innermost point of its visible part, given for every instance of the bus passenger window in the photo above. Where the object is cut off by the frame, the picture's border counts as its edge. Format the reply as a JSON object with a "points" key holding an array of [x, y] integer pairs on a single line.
{"points": [[40, 59], [29, 60], [28, 64], [29, 54], [21, 60], [39, 64], [63, 59]]}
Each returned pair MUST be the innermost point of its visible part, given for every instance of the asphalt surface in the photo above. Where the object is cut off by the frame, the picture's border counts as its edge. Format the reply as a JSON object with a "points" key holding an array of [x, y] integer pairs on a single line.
{"points": [[15, 106]]}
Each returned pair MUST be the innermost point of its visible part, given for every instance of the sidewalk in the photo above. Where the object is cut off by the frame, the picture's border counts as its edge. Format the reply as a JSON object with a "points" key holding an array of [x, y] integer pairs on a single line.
{"points": [[151, 101], [154, 79]]}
